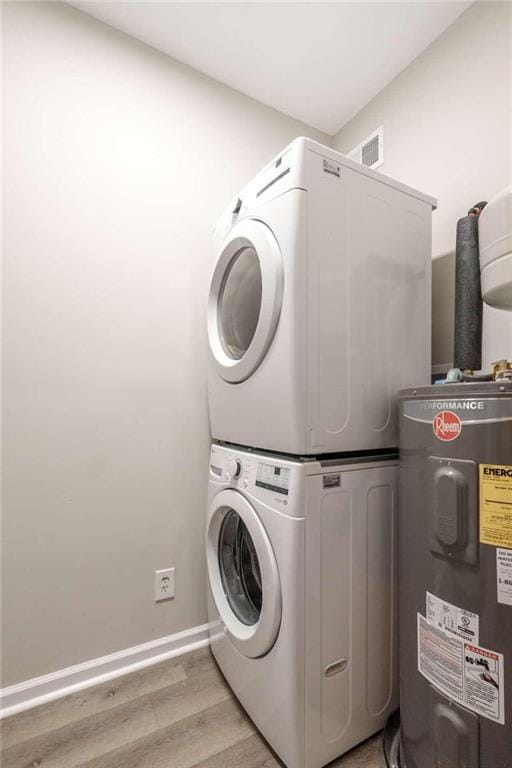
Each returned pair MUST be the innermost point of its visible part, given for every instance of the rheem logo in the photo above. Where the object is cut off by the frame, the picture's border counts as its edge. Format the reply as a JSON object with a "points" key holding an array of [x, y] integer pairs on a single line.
{"points": [[447, 425]]}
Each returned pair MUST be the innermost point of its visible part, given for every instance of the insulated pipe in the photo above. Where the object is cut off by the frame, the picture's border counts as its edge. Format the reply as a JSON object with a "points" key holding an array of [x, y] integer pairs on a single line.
{"points": [[467, 351]]}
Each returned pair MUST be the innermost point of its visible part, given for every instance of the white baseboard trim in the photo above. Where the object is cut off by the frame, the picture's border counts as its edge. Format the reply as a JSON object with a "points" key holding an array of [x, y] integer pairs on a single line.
{"points": [[41, 690]]}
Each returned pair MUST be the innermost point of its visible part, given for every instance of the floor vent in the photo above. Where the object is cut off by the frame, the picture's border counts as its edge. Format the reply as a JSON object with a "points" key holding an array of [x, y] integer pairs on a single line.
{"points": [[370, 152]]}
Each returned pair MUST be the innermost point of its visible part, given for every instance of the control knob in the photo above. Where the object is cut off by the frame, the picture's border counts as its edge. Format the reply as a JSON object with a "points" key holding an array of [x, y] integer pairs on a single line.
{"points": [[234, 468]]}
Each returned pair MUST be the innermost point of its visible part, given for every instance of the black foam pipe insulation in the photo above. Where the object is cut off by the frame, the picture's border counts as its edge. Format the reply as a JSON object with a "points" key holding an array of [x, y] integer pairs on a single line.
{"points": [[467, 353]]}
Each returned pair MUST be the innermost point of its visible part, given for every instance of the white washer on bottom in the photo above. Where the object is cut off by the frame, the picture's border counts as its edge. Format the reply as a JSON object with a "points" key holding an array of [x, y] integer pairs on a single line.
{"points": [[302, 596]]}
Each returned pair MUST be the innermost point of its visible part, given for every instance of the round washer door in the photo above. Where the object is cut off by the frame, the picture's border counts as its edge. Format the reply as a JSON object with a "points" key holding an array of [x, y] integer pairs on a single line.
{"points": [[243, 573], [245, 300]]}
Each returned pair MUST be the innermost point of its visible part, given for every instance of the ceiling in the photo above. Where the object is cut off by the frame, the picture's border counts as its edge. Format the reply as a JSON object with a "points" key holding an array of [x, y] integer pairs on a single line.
{"points": [[317, 62]]}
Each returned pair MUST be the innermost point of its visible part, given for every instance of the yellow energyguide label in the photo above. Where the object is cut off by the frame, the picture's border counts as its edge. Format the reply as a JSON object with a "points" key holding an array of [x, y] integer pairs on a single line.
{"points": [[496, 505]]}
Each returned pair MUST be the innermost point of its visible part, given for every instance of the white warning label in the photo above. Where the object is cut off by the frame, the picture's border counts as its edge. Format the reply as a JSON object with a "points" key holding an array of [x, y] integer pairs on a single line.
{"points": [[504, 575], [441, 659], [483, 682], [466, 673], [444, 615]]}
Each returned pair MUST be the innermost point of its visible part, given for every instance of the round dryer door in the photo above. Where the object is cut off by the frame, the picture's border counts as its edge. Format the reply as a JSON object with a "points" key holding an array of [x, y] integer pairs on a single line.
{"points": [[245, 300], [243, 573]]}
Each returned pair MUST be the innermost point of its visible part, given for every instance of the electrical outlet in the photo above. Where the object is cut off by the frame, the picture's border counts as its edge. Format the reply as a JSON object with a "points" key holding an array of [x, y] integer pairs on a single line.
{"points": [[164, 584]]}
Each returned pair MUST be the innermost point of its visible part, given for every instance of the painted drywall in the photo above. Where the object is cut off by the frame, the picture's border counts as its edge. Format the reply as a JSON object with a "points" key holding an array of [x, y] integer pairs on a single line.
{"points": [[118, 161], [448, 131], [303, 44]]}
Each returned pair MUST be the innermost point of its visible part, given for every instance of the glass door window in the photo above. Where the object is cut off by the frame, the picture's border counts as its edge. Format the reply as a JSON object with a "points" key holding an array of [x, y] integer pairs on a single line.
{"points": [[246, 294], [240, 303], [240, 569], [243, 574]]}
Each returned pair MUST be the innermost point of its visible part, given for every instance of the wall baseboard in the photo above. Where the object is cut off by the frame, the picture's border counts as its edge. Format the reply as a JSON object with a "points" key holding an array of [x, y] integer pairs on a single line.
{"points": [[40, 690]]}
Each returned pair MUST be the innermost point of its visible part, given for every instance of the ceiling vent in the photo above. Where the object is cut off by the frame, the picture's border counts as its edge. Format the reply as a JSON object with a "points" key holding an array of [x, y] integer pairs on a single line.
{"points": [[370, 152]]}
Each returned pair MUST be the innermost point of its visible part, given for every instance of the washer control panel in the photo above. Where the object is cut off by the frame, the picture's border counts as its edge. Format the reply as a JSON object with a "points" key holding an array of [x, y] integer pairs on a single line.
{"points": [[273, 478], [270, 479], [231, 467]]}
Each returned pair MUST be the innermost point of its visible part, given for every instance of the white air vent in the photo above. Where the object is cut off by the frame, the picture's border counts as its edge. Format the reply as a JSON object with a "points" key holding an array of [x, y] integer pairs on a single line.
{"points": [[370, 152]]}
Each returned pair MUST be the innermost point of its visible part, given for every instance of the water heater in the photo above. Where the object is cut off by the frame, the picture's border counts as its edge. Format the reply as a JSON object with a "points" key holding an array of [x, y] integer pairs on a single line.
{"points": [[455, 576]]}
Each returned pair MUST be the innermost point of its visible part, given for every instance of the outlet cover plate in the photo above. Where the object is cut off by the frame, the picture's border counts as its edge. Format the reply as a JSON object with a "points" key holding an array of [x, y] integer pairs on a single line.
{"points": [[164, 584]]}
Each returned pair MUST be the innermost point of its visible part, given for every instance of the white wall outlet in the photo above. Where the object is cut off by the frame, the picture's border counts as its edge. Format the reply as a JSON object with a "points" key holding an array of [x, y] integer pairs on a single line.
{"points": [[164, 584]]}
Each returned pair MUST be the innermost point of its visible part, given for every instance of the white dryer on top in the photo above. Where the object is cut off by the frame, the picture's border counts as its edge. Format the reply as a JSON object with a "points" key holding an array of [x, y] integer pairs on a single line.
{"points": [[319, 306]]}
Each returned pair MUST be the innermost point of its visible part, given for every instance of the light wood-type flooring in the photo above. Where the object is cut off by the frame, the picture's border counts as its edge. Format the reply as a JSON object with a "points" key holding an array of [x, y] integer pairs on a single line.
{"points": [[177, 714]]}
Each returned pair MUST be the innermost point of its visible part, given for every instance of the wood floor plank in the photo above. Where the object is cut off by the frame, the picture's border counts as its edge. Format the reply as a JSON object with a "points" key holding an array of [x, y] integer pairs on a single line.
{"points": [[177, 714], [197, 662], [369, 754], [78, 706], [254, 753], [107, 731], [191, 741], [249, 753]]}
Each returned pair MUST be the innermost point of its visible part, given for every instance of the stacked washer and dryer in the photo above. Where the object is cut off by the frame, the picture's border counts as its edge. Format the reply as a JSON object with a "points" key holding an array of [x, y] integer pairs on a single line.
{"points": [[319, 312]]}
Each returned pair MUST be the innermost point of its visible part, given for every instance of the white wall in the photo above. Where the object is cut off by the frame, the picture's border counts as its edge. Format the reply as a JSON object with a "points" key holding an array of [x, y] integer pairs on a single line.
{"points": [[117, 162], [448, 131]]}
